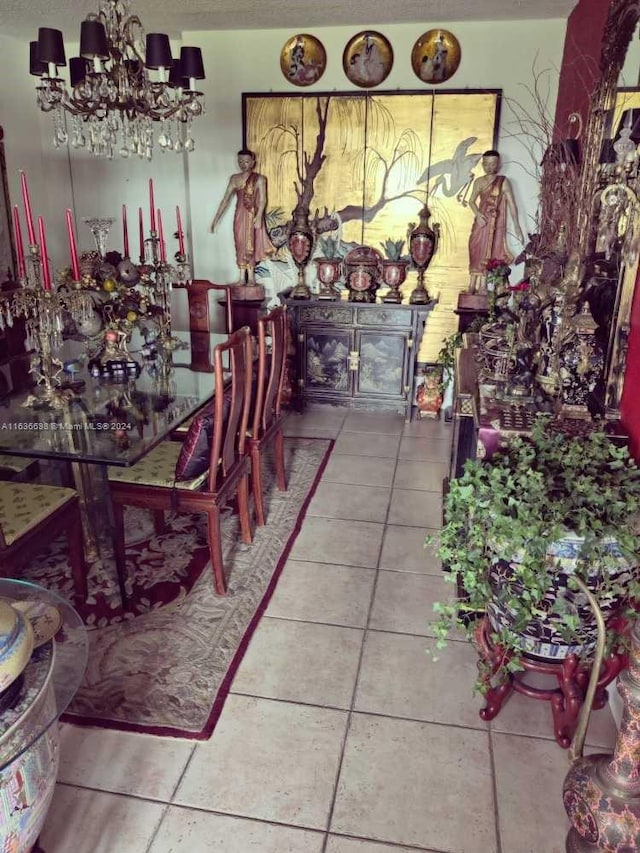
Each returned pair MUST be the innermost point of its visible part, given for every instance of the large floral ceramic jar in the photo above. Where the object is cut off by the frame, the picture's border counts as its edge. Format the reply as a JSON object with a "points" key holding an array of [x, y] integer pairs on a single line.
{"points": [[27, 782], [31, 705]]}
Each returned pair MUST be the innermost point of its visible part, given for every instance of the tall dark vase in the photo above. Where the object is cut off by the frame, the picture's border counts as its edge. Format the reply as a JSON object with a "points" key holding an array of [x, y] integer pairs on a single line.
{"points": [[300, 245], [423, 243]]}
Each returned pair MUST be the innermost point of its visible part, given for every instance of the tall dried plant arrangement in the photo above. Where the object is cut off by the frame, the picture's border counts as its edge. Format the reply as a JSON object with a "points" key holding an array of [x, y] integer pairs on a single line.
{"points": [[552, 164]]}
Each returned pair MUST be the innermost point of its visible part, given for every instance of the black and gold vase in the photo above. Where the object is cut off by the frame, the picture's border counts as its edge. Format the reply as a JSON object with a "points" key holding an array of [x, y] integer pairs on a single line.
{"points": [[300, 244], [423, 243]]}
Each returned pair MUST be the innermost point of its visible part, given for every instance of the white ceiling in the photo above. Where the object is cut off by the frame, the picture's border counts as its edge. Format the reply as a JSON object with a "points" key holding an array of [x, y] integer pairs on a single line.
{"points": [[20, 18]]}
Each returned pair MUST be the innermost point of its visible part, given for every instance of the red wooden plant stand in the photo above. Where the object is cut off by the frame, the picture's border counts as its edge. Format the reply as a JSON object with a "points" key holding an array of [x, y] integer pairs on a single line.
{"points": [[566, 699]]}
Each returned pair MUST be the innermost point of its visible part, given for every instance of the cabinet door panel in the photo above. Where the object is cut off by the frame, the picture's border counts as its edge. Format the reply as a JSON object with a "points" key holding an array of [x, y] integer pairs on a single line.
{"points": [[382, 363], [326, 360]]}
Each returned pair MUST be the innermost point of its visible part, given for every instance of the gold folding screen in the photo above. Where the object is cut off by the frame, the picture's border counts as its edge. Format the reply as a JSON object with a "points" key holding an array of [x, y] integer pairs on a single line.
{"points": [[375, 157]]}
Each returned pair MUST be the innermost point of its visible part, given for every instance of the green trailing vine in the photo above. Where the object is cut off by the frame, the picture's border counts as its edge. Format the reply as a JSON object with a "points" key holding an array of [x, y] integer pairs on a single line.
{"points": [[507, 511]]}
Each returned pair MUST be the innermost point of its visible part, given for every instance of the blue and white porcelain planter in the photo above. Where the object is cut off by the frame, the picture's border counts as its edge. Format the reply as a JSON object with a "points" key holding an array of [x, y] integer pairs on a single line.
{"points": [[543, 638]]}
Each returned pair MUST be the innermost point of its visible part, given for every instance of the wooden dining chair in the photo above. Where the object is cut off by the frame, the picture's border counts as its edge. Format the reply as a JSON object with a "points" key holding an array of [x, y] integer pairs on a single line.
{"points": [[198, 300], [267, 420], [158, 482], [31, 517], [199, 327]]}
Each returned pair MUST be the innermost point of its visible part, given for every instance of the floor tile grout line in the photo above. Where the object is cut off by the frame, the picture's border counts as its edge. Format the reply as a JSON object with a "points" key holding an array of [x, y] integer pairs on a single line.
{"points": [[129, 795], [350, 713], [184, 770], [378, 714], [494, 787], [338, 772], [155, 832]]}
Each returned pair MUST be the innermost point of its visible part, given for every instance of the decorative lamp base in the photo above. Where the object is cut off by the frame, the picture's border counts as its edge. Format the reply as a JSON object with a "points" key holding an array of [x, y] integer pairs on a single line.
{"points": [[301, 291], [394, 297], [419, 296], [328, 293]]}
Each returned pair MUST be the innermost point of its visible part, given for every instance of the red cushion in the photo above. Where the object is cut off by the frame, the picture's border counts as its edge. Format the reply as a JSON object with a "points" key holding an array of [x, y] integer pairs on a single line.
{"points": [[196, 447], [195, 450]]}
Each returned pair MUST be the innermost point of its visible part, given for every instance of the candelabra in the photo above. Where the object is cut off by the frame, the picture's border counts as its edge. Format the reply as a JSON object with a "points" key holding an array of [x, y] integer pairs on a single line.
{"points": [[43, 311], [157, 279]]}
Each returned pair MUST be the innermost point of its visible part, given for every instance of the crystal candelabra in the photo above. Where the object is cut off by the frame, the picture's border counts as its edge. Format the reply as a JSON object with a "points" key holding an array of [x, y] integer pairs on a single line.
{"points": [[43, 312], [157, 279]]}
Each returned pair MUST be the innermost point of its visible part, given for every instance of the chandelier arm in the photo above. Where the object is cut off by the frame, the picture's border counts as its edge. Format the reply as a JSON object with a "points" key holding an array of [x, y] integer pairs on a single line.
{"points": [[133, 20]]}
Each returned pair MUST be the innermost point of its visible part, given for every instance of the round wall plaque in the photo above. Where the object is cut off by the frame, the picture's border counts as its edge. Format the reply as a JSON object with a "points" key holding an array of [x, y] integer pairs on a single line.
{"points": [[436, 56], [367, 59], [303, 59]]}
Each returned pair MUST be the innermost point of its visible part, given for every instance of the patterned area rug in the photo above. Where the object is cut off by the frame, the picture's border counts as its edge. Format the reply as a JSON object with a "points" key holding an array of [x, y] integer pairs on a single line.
{"points": [[166, 668]]}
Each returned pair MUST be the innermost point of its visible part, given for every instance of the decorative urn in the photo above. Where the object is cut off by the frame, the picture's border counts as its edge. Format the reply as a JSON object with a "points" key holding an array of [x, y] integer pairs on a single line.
{"points": [[328, 271], [300, 245], [423, 243], [393, 274]]}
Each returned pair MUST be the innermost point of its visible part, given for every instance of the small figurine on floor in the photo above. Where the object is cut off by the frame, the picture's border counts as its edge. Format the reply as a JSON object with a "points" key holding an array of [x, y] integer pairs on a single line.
{"points": [[429, 395]]}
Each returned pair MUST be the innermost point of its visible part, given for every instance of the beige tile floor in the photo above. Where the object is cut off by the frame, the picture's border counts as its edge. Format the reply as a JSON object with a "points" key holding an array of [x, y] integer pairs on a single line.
{"points": [[340, 735]]}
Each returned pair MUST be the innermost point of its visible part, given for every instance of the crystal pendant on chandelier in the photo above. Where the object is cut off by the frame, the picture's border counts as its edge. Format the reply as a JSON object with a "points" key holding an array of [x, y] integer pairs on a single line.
{"points": [[122, 86]]}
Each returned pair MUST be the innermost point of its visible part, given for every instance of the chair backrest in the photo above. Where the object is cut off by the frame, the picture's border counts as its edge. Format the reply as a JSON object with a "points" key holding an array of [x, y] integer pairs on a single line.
{"points": [[230, 426], [270, 370], [227, 288]]}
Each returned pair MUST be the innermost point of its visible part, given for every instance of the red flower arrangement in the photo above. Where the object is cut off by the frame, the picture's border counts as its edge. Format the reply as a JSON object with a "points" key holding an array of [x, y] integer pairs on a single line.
{"points": [[520, 286], [498, 268]]}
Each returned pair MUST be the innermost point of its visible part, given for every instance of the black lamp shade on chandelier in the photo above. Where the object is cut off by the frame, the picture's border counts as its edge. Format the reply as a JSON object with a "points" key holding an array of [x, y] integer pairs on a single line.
{"points": [[176, 77], [36, 67], [77, 70], [51, 47], [158, 52], [93, 41], [191, 63], [123, 85]]}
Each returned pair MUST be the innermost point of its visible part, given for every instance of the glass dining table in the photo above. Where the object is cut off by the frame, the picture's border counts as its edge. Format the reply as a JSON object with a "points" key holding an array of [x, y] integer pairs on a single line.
{"points": [[108, 423]]}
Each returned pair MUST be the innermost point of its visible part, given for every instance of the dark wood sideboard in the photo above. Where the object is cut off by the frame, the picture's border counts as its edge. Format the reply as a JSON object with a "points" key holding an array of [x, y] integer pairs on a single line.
{"points": [[355, 354]]}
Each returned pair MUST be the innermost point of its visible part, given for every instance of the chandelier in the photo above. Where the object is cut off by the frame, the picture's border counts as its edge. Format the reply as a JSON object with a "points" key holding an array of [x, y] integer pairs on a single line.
{"points": [[121, 86]]}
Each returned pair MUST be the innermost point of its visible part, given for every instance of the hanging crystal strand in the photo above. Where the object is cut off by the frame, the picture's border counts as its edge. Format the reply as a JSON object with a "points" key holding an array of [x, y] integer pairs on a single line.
{"points": [[189, 142], [78, 139], [178, 145], [163, 136], [60, 135]]}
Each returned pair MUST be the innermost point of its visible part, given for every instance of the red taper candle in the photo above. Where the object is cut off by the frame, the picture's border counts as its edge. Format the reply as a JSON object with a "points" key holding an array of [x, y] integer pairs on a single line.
{"points": [[141, 231], [125, 231], [75, 266], [44, 258], [161, 243], [27, 209], [17, 230]]}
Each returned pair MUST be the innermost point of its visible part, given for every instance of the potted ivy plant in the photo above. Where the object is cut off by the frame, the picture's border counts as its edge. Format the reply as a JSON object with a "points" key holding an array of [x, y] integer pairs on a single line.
{"points": [[393, 269], [518, 527]]}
